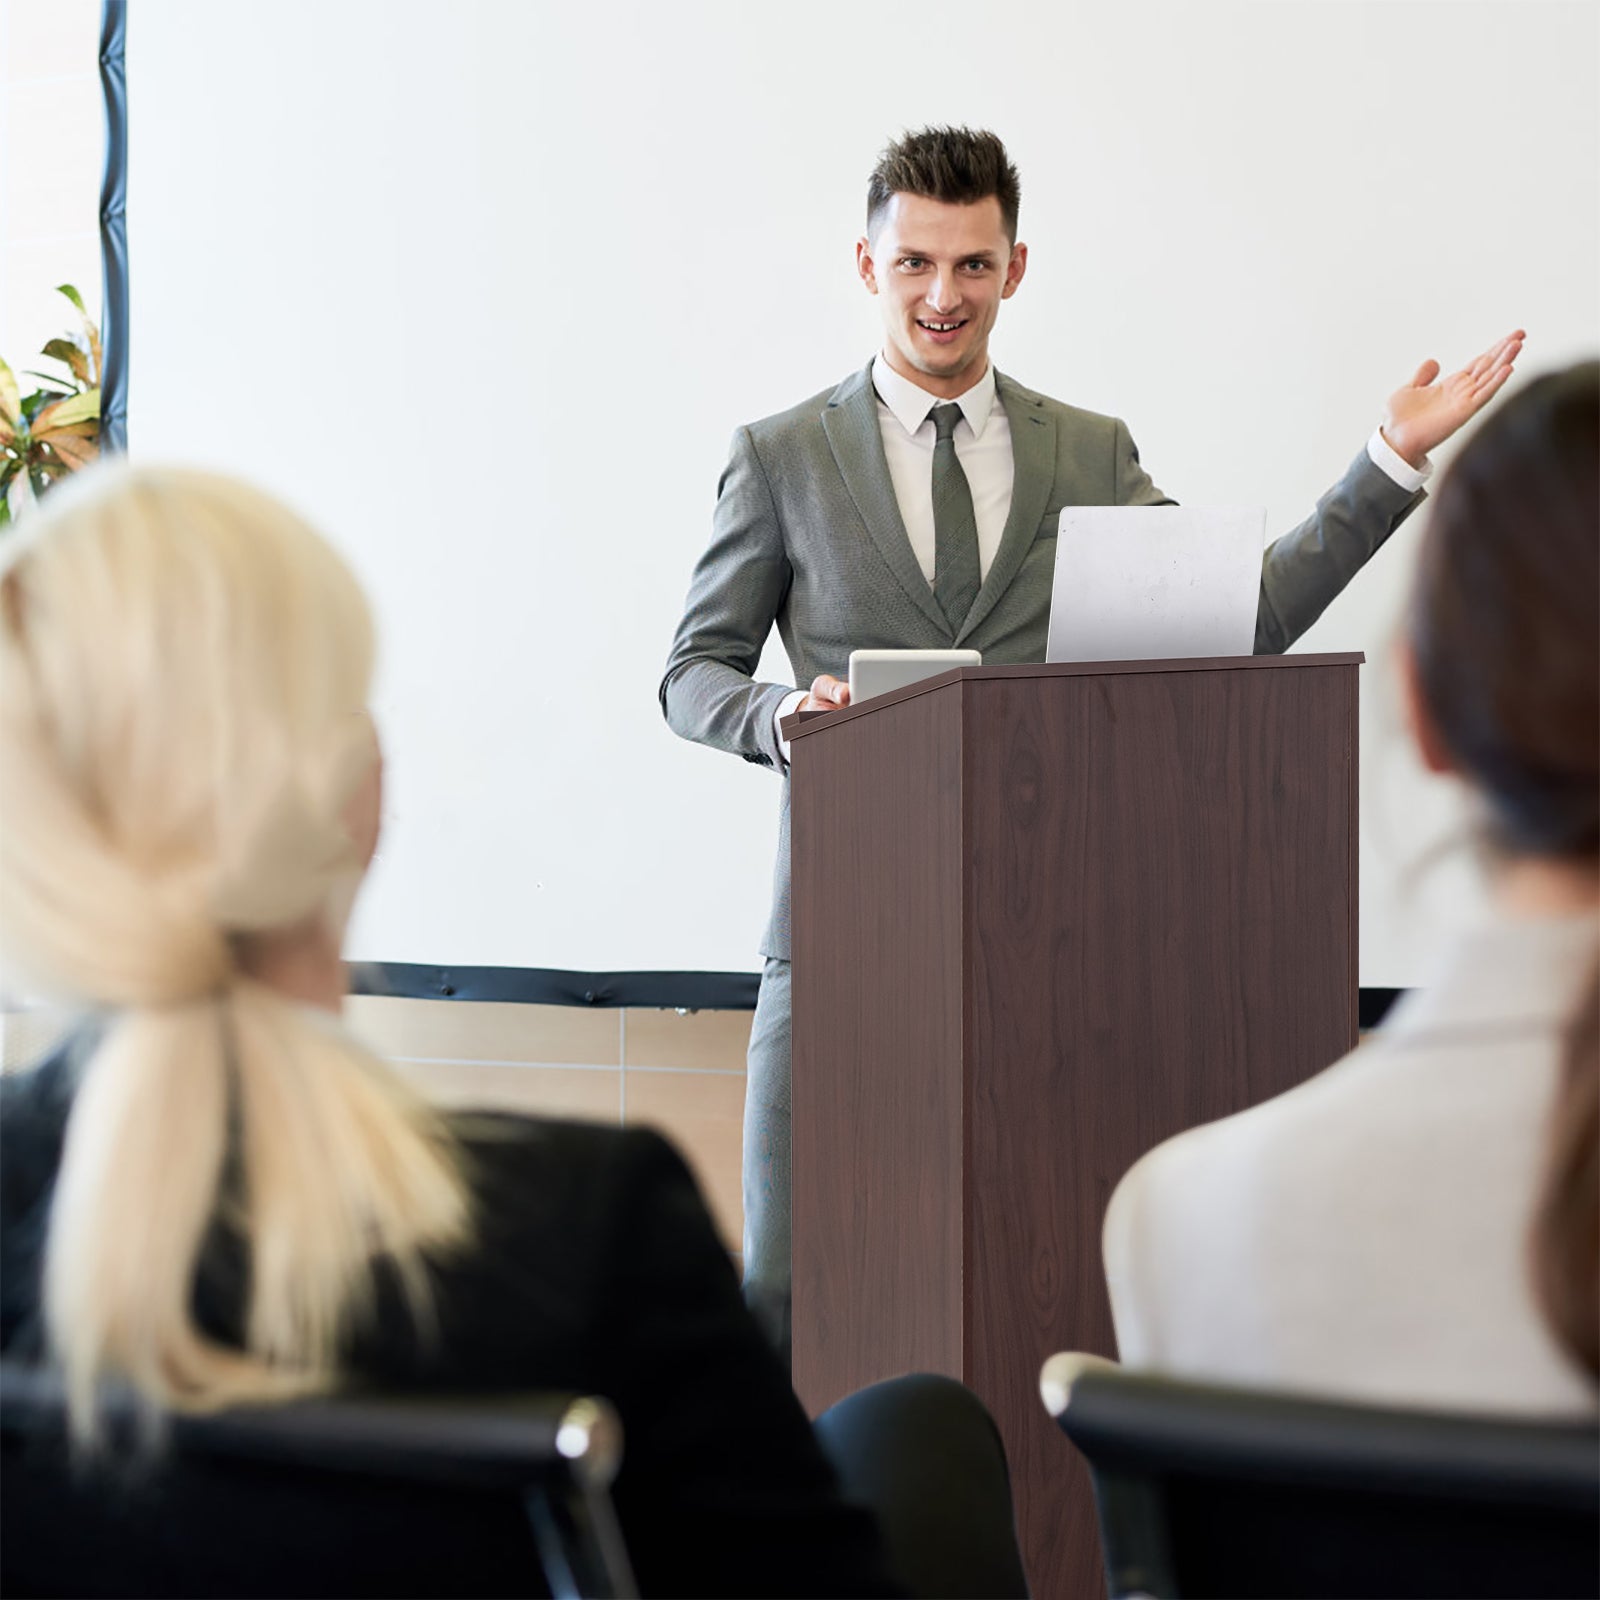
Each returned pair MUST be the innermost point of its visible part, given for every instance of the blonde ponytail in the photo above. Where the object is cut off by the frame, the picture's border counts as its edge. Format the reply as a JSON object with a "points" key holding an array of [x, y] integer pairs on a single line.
{"points": [[342, 1166], [131, 1209], [183, 676]]}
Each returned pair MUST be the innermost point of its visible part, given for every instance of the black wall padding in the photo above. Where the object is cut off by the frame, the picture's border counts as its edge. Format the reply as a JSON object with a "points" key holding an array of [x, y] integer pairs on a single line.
{"points": [[550, 986], [114, 230], [1373, 1005], [686, 991]]}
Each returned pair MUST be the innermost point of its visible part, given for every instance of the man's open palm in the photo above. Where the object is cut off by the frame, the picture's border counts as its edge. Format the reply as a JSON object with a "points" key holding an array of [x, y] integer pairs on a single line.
{"points": [[1426, 411]]}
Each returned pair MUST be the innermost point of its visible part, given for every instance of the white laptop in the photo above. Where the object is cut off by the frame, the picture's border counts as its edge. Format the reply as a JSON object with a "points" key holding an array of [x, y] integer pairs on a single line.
{"points": [[874, 672], [1134, 583]]}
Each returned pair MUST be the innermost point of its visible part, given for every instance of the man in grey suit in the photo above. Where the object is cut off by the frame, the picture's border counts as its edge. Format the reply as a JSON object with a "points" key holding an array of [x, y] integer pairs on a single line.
{"points": [[915, 506]]}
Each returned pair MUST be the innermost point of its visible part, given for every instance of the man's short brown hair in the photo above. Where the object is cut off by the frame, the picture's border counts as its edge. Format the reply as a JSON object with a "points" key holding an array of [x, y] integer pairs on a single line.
{"points": [[956, 165]]}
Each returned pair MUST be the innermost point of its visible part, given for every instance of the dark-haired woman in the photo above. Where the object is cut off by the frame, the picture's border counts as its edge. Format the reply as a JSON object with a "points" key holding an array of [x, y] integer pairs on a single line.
{"points": [[1420, 1224]]}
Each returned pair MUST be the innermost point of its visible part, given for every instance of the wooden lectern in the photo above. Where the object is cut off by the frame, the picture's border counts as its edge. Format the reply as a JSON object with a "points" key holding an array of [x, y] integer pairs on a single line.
{"points": [[1043, 918]]}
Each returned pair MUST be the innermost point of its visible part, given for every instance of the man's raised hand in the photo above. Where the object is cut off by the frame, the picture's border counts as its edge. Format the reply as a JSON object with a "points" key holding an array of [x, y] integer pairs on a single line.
{"points": [[1426, 411]]}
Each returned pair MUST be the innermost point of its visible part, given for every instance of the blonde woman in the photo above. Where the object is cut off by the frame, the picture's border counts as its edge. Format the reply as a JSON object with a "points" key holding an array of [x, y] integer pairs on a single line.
{"points": [[213, 1193]]}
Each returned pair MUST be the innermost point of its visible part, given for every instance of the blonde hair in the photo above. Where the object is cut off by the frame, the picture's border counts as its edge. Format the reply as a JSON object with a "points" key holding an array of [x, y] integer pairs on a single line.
{"points": [[184, 670]]}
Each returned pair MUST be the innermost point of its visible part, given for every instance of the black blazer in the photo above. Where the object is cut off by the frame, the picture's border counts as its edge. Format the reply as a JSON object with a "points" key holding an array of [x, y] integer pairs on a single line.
{"points": [[596, 1269]]}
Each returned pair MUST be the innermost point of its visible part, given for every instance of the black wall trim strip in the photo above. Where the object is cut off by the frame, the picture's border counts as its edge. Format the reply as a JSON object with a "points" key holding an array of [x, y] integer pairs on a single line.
{"points": [[551, 986], [114, 230], [1374, 1005]]}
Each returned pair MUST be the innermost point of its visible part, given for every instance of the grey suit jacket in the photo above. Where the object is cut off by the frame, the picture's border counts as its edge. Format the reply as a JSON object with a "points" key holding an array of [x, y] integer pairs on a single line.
{"points": [[807, 534]]}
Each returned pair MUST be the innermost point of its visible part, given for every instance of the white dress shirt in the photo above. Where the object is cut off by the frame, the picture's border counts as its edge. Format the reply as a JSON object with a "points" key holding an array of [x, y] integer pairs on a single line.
{"points": [[983, 447]]}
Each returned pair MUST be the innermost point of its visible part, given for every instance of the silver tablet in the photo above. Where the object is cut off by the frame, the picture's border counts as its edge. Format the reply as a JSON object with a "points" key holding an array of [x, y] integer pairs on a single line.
{"points": [[875, 672]]}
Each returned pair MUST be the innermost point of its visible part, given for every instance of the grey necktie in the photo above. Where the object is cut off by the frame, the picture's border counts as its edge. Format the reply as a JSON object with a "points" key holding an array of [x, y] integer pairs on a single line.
{"points": [[955, 524]]}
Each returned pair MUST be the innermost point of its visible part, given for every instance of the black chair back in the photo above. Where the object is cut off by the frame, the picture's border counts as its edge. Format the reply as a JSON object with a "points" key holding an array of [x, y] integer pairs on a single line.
{"points": [[352, 1495], [1209, 1491]]}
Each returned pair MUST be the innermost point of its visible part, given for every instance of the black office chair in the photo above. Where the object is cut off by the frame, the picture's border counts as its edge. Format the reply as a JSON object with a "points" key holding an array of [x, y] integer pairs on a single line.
{"points": [[352, 1495], [1207, 1491]]}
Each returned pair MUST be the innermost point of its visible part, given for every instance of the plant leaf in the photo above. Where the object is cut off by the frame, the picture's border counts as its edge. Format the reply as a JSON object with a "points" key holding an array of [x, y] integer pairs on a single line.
{"points": [[72, 430], [73, 355], [75, 408], [10, 396], [96, 356], [74, 452], [33, 404], [91, 332]]}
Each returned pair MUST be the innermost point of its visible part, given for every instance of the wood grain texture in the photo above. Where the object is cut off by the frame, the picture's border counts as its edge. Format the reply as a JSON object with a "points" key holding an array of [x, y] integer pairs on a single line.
{"points": [[1158, 935], [877, 1106], [1142, 885]]}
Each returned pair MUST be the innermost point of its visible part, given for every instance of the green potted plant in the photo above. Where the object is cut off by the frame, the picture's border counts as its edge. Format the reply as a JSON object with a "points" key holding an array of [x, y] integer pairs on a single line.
{"points": [[56, 429]]}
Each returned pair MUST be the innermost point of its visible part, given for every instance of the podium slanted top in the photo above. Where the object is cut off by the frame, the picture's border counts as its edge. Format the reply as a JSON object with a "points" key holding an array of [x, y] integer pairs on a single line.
{"points": [[801, 723]]}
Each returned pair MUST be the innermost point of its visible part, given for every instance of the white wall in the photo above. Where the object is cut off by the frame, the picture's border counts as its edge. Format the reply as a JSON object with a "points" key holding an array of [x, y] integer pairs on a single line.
{"points": [[52, 156], [486, 287]]}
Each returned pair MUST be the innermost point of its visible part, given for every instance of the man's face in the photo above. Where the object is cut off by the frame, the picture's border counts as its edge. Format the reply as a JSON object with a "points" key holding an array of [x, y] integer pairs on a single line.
{"points": [[940, 272]]}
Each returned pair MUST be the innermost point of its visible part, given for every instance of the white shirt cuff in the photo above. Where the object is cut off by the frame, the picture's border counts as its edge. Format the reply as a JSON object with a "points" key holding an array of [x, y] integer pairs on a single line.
{"points": [[786, 708], [1389, 460]]}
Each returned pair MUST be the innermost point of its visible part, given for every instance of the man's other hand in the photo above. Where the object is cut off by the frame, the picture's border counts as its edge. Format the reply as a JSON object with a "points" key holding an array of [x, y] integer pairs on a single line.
{"points": [[827, 694], [1425, 412]]}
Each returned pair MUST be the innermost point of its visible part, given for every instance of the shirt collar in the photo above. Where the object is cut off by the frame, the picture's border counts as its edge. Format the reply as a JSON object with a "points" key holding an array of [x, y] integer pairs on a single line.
{"points": [[911, 405], [1505, 970]]}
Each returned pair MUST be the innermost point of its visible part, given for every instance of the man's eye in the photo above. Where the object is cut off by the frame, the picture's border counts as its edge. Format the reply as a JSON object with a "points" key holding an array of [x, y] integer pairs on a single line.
{"points": [[912, 262], [978, 266]]}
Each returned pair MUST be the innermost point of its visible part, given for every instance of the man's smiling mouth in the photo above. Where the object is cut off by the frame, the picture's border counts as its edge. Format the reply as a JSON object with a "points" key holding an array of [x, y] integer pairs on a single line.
{"points": [[941, 327]]}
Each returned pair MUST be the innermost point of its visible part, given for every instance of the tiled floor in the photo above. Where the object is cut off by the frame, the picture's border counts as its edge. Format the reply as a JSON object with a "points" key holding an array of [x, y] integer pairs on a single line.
{"points": [[591, 1094], [682, 1072], [702, 1113]]}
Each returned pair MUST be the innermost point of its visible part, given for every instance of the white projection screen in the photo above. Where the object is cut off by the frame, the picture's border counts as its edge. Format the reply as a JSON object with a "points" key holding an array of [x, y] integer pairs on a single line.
{"points": [[485, 287]]}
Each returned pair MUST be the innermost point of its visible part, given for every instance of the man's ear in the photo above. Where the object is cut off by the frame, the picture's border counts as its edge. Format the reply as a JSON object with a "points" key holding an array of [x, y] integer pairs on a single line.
{"points": [[1015, 267], [1435, 753], [864, 265]]}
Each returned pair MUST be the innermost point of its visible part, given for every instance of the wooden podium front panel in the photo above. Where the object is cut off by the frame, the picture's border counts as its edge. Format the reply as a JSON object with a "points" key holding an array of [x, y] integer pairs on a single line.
{"points": [[877, 1101], [1162, 930]]}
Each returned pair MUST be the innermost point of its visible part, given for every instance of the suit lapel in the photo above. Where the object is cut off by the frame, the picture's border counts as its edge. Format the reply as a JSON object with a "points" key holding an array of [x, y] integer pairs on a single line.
{"points": [[851, 425], [1033, 454]]}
